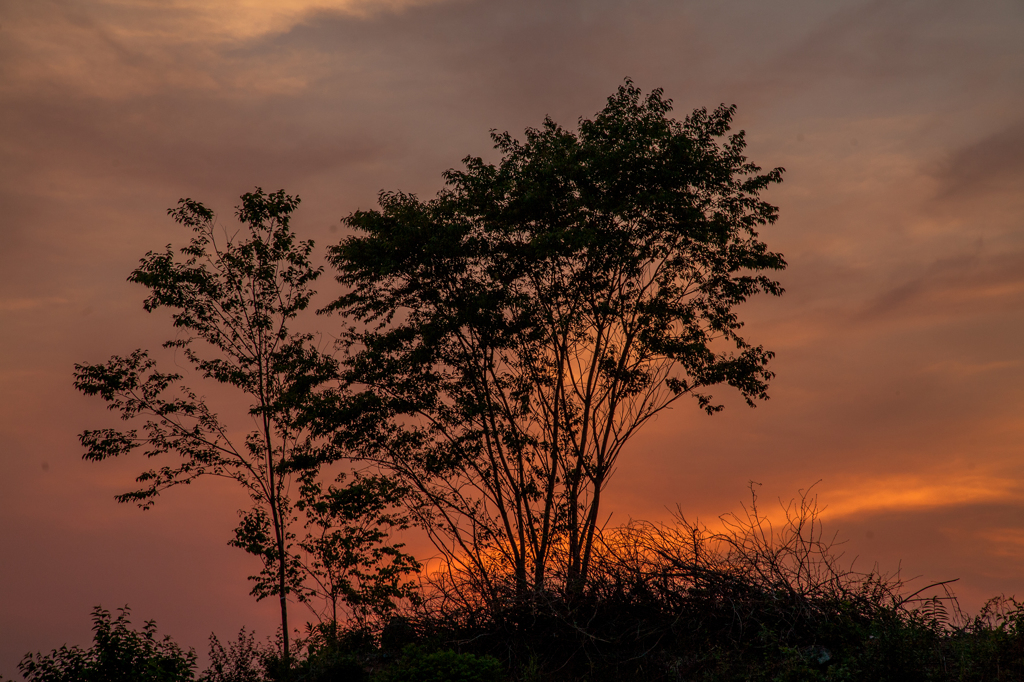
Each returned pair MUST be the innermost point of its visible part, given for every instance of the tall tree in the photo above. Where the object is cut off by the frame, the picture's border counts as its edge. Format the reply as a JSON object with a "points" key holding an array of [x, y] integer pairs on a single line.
{"points": [[511, 335], [233, 301]]}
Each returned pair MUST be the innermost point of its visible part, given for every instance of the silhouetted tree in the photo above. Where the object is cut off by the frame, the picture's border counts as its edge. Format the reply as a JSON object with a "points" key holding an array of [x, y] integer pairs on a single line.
{"points": [[234, 302], [515, 332]]}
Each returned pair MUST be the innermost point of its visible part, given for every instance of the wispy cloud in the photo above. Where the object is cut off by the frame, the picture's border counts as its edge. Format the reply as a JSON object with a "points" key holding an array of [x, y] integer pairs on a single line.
{"points": [[194, 21], [968, 283], [910, 492], [10, 305], [1007, 542], [130, 48], [992, 164]]}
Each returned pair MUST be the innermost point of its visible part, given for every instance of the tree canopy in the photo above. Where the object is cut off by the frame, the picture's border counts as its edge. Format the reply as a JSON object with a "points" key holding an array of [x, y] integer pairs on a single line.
{"points": [[507, 338]]}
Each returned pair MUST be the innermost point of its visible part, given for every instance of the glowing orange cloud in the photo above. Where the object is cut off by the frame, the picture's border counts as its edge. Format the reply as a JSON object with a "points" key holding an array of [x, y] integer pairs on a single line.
{"points": [[920, 492], [194, 20]]}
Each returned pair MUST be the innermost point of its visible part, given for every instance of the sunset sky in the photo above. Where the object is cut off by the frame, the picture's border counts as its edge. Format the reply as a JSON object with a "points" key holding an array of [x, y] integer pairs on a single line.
{"points": [[900, 362]]}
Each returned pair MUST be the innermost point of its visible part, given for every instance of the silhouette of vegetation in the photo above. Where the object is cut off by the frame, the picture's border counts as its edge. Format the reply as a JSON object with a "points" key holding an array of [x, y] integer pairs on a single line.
{"points": [[244, 660], [502, 343], [511, 335], [233, 301], [118, 654], [349, 560], [753, 601]]}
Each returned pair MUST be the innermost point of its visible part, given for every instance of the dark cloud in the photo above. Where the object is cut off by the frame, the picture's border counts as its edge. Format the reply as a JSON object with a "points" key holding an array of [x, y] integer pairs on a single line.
{"points": [[966, 285], [988, 166]]}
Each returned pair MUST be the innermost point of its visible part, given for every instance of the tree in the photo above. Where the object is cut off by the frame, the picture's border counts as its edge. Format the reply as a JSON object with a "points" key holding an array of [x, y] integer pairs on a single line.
{"points": [[512, 334], [233, 302]]}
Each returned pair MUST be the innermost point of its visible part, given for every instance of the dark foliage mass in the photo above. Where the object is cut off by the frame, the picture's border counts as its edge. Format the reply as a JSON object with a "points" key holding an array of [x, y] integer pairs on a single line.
{"points": [[118, 654], [755, 602]]}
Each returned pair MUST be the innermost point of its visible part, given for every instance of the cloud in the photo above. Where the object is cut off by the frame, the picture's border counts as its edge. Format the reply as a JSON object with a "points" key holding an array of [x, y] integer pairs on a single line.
{"points": [[958, 485], [908, 492], [968, 284], [1006, 542], [21, 304], [193, 21], [129, 48], [994, 163]]}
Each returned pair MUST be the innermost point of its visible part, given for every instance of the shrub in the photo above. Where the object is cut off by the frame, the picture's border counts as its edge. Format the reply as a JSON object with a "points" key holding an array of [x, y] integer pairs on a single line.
{"points": [[119, 654], [332, 654], [243, 661], [419, 665]]}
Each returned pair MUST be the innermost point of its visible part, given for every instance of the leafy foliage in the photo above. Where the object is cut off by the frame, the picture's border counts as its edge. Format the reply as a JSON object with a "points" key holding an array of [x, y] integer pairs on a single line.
{"points": [[512, 334], [234, 302], [503, 343], [349, 557], [118, 654], [420, 665], [242, 661]]}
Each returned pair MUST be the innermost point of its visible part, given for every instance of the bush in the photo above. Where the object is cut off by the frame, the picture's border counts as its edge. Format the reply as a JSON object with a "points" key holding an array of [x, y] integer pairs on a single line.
{"points": [[330, 666], [119, 654], [328, 657], [243, 661], [419, 665], [753, 602], [333, 658]]}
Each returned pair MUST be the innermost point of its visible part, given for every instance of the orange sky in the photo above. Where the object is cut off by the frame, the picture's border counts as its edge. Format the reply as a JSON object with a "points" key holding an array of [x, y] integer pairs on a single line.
{"points": [[900, 368]]}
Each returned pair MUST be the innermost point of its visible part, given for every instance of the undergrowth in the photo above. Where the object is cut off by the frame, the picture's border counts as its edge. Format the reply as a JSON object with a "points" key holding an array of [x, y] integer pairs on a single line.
{"points": [[754, 601]]}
